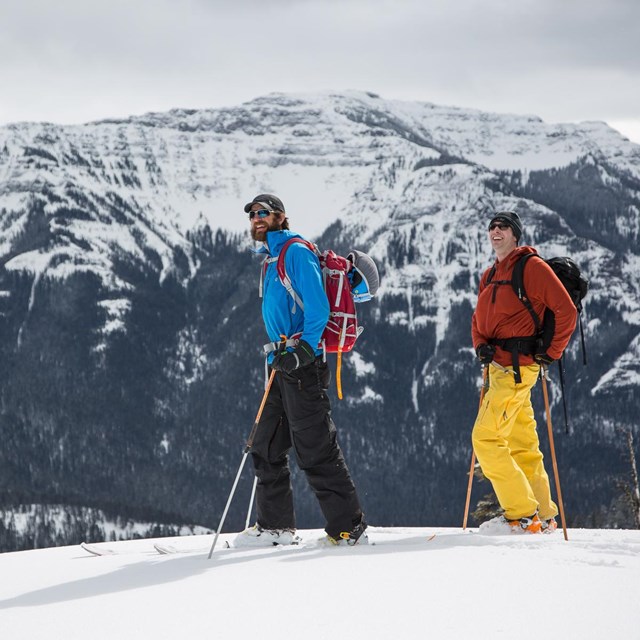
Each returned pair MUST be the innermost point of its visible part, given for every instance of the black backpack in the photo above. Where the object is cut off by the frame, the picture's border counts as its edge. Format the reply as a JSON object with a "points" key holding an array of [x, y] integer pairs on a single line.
{"points": [[577, 287], [573, 281]]}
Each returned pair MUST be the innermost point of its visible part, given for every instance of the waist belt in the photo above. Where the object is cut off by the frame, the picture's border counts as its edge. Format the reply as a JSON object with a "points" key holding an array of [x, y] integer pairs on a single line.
{"points": [[270, 347], [275, 346], [527, 346]]}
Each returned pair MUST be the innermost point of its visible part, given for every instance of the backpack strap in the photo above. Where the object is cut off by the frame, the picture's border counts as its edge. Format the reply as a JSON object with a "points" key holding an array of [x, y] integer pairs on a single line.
{"points": [[292, 342], [517, 282], [584, 348], [515, 346], [282, 272], [564, 400], [263, 271], [495, 283]]}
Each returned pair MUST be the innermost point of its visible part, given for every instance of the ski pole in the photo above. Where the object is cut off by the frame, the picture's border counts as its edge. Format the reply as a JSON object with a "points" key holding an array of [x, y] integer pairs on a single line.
{"points": [[545, 393], [485, 370], [253, 495], [564, 399], [244, 459]]}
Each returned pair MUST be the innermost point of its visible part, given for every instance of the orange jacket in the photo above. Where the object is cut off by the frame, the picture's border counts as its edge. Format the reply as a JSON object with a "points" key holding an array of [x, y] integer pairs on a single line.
{"points": [[507, 317]]}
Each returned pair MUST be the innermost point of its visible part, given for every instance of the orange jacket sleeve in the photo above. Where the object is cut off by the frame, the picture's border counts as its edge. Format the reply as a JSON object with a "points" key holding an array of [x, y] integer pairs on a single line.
{"points": [[476, 336]]}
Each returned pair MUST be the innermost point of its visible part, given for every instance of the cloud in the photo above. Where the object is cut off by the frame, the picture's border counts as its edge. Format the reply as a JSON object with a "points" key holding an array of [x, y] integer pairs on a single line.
{"points": [[75, 61]]}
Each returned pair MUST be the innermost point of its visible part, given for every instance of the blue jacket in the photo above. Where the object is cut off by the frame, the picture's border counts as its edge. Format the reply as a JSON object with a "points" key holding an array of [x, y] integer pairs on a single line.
{"points": [[280, 313]]}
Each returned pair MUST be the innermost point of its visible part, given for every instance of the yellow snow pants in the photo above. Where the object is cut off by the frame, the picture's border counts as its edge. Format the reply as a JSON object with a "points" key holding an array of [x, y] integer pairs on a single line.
{"points": [[507, 447]]}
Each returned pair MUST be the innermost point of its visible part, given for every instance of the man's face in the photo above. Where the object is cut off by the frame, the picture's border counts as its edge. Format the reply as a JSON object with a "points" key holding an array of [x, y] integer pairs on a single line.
{"points": [[502, 238], [260, 225]]}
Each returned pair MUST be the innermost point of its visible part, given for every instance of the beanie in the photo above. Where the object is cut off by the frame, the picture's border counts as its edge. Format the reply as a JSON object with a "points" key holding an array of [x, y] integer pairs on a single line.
{"points": [[512, 219]]}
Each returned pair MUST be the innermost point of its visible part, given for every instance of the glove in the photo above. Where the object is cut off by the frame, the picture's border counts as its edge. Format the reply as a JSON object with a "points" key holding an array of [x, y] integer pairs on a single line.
{"points": [[485, 353], [288, 361], [543, 359]]}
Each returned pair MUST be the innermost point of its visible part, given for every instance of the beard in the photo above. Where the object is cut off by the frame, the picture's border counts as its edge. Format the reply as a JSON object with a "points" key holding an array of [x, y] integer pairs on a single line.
{"points": [[272, 225]]}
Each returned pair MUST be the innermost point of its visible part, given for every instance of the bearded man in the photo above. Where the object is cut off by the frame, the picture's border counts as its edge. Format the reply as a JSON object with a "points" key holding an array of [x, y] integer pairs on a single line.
{"points": [[297, 413]]}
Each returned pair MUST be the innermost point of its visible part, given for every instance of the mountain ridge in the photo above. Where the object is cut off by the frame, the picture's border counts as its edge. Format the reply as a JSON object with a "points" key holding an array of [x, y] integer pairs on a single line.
{"points": [[130, 323]]}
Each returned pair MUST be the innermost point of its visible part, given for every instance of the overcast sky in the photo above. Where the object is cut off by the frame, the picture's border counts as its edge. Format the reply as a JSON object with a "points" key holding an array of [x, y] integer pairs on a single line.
{"points": [[72, 61]]}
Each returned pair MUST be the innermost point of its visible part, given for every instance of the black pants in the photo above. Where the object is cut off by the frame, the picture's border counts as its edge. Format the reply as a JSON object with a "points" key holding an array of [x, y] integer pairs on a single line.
{"points": [[298, 413]]}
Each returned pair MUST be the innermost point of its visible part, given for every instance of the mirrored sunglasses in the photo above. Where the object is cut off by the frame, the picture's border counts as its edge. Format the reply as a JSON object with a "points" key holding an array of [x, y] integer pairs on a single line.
{"points": [[261, 213]]}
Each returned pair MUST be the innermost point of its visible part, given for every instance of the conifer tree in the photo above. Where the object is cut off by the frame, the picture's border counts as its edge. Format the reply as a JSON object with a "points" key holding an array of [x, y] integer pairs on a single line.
{"points": [[631, 487]]}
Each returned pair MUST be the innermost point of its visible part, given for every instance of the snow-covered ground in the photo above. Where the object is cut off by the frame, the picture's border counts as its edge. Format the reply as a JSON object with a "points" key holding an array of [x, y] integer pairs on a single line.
{"points": [[406, 584]]}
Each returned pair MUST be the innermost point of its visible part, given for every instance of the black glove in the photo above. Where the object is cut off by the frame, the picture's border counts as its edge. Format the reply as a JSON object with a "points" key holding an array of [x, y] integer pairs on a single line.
{"points": [[485, 353], [543, 358], [289, 361]]}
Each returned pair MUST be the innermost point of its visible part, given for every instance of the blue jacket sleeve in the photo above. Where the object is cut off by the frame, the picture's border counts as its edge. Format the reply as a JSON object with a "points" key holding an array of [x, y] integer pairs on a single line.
{"points": [[303, 268]]}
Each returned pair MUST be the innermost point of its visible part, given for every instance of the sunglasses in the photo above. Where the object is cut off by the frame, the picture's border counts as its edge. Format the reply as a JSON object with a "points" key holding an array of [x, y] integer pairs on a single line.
{"points": [[261, 213], [503, 226]]}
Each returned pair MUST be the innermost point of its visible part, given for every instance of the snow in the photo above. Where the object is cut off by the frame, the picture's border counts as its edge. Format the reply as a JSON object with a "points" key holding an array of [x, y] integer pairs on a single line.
{"points": [[368, 396], [405, 585], [316, 150], [116, 309], [361, 367], [625, 373]]}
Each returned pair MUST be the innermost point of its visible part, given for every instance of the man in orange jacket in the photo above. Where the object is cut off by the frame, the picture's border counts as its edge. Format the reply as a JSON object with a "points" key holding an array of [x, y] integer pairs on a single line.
{"points": [[504, 337]]}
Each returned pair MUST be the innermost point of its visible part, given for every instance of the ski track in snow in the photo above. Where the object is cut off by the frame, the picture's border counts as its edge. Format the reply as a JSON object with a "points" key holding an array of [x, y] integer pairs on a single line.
{"points": [[403, 585]]}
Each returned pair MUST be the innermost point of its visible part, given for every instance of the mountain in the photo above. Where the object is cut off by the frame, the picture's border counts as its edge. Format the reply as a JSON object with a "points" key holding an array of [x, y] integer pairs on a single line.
{"points": [[130, 329], [410, 585]]}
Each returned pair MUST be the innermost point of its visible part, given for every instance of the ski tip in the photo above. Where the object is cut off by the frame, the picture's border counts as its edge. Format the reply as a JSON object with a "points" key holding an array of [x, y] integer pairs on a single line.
{"points": [[95, 551], [85, 547], [430, 538], [164, 550]]}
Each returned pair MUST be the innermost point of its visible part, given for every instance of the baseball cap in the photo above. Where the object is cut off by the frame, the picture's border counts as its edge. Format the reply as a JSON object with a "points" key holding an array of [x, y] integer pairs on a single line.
{"points": [[268, 201]]}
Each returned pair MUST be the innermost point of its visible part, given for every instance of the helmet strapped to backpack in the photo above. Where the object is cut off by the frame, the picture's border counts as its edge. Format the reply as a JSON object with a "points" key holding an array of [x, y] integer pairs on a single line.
{"points": [[363, 276]]}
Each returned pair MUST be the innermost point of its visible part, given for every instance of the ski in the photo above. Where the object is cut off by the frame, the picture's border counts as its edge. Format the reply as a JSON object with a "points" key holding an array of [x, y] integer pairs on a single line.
{"points": [[163, 549], [102, 549], [168, 550], [99, 551]]}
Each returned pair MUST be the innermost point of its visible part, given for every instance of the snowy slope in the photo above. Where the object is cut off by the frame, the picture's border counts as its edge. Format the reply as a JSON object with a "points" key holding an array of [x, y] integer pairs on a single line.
{"points": [[456, 585]]}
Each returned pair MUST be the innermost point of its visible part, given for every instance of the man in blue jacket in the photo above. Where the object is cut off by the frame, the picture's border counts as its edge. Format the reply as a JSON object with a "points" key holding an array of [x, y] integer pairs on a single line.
{"points": [[297, 412]]}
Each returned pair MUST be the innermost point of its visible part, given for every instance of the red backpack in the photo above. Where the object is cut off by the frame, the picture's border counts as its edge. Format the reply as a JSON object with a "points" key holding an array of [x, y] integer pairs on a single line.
{"points": [[342, 330]]}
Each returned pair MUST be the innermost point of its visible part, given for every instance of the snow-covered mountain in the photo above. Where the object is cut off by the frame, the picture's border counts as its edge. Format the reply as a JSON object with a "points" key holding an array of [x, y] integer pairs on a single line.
{"points": [[129, 318]]}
